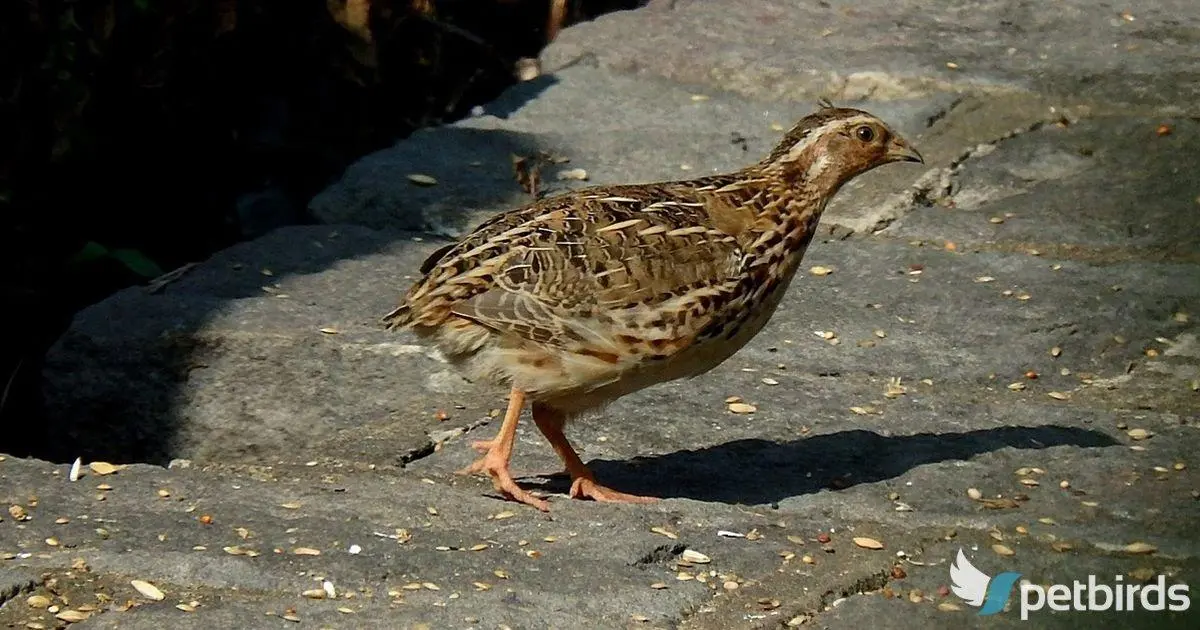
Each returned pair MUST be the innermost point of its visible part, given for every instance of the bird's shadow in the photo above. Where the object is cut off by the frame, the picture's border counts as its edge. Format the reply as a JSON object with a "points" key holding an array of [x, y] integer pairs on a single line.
{"points": [[756, 471]]}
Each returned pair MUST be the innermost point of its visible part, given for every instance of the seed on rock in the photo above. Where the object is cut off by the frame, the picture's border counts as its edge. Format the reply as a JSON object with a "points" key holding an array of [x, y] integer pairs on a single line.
{"points": [[1140, 548], [658, 586], [695, 557], [662, 531], [38, 601], [742, 408], [71, 616], [807, 559], [1003, 550], [730, 585], [1060, 546], [818, 270], [948, 606], [1055, 351], [148, 590], [974, 494], [1138, 434], [306, 551], [104, 468], [314, 593], [867, 543], [1058, 395], [420, 179]]}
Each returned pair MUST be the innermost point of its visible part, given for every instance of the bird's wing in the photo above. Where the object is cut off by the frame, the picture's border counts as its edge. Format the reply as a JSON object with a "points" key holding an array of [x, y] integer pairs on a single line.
{"points": [[968, 582], [590, 273]]}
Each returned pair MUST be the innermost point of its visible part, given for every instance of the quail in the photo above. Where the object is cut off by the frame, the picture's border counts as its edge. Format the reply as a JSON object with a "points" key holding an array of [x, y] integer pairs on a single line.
{"points": [[576, 300]]}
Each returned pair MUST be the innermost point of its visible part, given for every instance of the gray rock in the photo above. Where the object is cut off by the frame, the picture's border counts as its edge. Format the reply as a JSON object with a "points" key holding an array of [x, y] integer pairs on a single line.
{"points": [[618, 129], [886, 49]]}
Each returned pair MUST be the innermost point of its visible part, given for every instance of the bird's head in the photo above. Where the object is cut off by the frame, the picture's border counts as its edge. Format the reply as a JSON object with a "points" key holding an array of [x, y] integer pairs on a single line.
{"points": [[831, 146]]}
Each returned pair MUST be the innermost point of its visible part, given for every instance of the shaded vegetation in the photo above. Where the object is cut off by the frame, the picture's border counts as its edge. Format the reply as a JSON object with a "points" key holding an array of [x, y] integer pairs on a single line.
{"points": [[139, 135]]}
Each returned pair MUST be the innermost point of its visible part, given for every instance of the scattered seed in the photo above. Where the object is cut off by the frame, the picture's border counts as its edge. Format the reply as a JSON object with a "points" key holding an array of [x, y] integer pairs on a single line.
{"points": [[1060, 546], [730, 585], [481, 586], [479, 547], [724, 533], [148, 590], [916, 596], [769, 381], [1003, 550], [1139, 434], [306, 551], [742, 408], [500, 573], [881, 334], [1016, 386], [1031, 483], [577, 174], [314, 593], [807, 559], [659, 586], [430, 586], [684, 576], [73, 475], [1179, 466], [1021, 529], [867, 543], [71, 616], [1140, 548], [983, 279], [662, 531], [695, 557], [104, 468], [1058, 395], [52, 541], [38, 601], [499, 516], [948, 607], [818, 270], [420, 179], [290, 616]]}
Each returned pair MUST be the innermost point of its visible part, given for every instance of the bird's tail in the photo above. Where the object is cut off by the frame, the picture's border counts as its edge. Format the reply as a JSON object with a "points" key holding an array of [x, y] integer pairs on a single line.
{"points": [[398, 318]]}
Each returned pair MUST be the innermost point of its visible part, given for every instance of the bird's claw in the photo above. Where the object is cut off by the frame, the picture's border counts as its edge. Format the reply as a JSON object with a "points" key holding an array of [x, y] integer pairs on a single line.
{"points": [[585, 488], [497, 469]]}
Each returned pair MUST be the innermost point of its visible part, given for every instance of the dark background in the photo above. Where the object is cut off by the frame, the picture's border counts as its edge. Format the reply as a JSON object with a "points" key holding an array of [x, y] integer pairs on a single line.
{"points": [[139, 135]]}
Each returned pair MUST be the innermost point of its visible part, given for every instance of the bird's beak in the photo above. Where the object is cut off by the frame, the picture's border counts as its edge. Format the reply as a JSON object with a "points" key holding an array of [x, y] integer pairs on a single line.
{"points": [[900, 151]]}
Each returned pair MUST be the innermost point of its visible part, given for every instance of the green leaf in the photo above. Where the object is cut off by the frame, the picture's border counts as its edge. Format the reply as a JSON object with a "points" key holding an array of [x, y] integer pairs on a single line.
{"points": [[91, 251], [137, 262]]}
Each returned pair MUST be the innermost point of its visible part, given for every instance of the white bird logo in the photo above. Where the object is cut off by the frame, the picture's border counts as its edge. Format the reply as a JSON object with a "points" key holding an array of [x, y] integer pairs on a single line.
{"points": [[968, 582]]}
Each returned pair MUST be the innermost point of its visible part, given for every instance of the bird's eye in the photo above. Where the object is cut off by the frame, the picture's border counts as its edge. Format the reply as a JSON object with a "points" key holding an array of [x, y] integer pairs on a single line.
{"points": [[865, 133]]}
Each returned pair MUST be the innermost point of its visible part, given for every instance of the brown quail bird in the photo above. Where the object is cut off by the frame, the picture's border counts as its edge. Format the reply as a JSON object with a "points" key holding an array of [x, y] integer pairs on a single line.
{"points": [[576, 300]]}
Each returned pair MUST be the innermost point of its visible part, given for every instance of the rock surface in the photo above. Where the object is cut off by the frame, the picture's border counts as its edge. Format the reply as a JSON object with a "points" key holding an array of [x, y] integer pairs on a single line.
{"points": [[1004, 360]]}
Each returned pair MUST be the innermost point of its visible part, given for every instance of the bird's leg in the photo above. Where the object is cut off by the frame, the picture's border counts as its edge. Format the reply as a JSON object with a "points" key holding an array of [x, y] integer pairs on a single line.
{"points": [[583, 483], [498, 451]]}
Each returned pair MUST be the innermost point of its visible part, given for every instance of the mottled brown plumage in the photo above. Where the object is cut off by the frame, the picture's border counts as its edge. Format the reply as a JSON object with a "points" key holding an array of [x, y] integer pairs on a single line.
{"points": [[579, 299]]}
